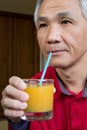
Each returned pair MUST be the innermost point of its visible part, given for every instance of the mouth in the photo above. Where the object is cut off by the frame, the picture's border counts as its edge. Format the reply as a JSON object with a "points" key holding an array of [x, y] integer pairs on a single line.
{"points": [[58, 52]]}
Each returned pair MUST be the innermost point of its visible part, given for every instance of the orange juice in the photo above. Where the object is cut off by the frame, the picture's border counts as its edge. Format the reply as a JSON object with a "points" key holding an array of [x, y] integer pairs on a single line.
{"points": [[40, 103], [41, 98]]}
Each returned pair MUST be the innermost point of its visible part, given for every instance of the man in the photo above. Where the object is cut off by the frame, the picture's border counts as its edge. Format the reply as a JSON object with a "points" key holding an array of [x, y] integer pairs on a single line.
{"points": [[61, 29]]}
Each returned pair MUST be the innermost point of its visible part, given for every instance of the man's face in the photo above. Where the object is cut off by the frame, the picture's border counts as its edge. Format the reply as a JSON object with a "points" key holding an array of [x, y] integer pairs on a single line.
{"points": [[62, 30]]}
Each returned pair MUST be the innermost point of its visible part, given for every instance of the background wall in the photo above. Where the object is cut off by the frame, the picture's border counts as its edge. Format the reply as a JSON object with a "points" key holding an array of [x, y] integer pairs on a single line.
{"points": [[3, 125], [16, 6]]}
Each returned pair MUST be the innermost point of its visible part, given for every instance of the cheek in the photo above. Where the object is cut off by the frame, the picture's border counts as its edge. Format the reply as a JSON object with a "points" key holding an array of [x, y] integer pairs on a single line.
{"points": [[81, 40], [74, 39], [41, 42], [80, 36], [78, 43]]}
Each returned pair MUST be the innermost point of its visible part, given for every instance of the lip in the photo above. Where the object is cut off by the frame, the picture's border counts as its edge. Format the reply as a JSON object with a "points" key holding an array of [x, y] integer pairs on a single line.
{"points": [[57, 52]]}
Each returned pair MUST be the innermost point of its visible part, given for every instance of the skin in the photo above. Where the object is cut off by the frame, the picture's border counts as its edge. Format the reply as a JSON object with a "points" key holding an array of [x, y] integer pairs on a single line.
{"points": [[62, 30]]}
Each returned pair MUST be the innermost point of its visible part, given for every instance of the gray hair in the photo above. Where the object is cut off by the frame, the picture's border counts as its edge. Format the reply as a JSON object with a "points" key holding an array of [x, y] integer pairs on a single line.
{"points": [[83, 5], [38, 4]]}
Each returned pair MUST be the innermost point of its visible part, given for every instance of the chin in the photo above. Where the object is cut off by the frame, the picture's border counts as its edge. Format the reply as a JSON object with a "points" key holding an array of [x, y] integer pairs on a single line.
{"points": [[57, 66], [60, 66]]}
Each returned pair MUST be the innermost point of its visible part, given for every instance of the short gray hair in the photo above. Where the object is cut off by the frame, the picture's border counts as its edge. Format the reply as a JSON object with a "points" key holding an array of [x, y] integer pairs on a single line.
{"points": [[83, 5], [38, 4]]}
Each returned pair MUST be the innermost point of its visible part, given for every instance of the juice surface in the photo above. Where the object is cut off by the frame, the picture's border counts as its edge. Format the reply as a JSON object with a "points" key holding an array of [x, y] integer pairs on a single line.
{"points": [[40, 98]]}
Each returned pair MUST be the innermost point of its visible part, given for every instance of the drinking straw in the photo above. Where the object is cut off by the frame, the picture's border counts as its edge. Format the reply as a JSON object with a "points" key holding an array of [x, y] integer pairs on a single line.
{"points": [[45, 68]]}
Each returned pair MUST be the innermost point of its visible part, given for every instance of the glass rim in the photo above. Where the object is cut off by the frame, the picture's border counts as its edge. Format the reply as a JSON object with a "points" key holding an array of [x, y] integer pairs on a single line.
{"points": [[37, 81]]}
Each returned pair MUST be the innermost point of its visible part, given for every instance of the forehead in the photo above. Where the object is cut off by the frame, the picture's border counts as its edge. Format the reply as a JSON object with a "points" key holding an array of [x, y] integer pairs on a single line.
{"points": [[53, 6]]}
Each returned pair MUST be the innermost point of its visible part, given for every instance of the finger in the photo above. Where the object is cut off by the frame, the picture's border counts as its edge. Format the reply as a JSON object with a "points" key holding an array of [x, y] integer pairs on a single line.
{"points": [[17, 82], [3, 93], [54, 89], [16, 93], [13, 113], [3, 97], [13, 104]]}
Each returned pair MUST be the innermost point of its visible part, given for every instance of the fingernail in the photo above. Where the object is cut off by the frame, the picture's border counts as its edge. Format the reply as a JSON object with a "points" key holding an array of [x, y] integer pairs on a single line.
{"points": [[25, 97], [24, 105], [54, 90]]}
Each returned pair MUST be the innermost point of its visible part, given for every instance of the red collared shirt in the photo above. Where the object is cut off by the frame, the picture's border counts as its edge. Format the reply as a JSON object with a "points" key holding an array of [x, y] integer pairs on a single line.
{"points": [[70, 110]]}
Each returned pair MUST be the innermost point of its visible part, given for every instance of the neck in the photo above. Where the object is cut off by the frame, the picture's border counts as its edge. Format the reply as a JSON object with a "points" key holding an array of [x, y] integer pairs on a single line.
{"points": [[74, 77]]}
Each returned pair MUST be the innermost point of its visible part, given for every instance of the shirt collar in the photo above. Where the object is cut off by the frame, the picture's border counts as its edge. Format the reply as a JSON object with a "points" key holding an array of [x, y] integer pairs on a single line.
{"points": [[65, 91], [85, 91]]}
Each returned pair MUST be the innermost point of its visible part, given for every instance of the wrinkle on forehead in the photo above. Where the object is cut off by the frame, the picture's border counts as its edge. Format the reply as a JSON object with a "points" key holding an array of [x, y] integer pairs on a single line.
{"points": [[49, 4], [58, 6]]}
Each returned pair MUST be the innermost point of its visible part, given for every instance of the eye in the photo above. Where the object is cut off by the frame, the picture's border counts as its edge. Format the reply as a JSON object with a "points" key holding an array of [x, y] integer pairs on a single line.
{"points": [[42, 25], [66, 22]]}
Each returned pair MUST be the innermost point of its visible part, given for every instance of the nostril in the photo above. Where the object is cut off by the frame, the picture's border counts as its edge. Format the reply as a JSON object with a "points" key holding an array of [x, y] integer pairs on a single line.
{"points": [[53, 42]]}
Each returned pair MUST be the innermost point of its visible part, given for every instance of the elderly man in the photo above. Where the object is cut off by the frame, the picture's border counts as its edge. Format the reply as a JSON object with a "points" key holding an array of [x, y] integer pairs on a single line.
{"points": [[61, 29]]}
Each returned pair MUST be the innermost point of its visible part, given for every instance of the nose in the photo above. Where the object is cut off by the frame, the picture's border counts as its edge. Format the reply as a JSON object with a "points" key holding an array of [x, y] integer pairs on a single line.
{"points": [[54, 34]]}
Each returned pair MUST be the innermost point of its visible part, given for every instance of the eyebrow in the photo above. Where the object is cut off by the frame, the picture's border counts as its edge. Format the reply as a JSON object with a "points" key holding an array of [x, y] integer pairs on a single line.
{"points": [[42, 18], [59, 15], [64, 14]]}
